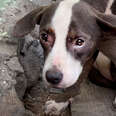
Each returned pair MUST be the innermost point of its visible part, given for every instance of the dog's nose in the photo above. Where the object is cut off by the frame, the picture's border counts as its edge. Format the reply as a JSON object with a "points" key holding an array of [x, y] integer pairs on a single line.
{"points": [[54, 77]]}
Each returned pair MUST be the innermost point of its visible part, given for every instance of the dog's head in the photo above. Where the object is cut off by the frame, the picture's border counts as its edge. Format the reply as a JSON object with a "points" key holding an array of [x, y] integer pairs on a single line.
{"points": [[70, 32]]}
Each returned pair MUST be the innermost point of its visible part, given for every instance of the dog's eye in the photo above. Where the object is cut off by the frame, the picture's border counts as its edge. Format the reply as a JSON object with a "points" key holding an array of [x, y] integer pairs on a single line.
{"points": [[44, 36], [79, 42]]}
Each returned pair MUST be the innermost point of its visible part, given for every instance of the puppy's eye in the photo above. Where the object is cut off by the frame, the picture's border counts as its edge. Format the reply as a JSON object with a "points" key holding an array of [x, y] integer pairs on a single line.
{"points": [[44, 36], [79, 42]]}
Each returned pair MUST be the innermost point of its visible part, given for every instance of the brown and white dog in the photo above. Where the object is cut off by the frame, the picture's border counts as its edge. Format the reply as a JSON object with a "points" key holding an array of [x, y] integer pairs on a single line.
{"points": [[71, 31]]}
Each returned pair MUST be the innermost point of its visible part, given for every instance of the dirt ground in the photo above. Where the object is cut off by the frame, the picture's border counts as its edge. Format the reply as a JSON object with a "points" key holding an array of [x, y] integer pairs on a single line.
{"points": [[92, 101]]}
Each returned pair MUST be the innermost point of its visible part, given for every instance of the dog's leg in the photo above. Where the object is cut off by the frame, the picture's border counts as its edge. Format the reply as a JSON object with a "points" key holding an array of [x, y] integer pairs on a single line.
{"points": [[97, 78], [55, 108], [108, 8], [103, 63]]}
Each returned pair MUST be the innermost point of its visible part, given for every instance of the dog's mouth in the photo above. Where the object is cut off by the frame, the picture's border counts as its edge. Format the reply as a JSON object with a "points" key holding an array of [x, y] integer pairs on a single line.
{"points": [[63, 85], [56, 90]]}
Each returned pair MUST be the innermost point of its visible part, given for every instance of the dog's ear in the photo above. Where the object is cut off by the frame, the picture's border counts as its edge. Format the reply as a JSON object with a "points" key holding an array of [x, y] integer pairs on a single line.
{"points": [[107, 22], [28, 22]]}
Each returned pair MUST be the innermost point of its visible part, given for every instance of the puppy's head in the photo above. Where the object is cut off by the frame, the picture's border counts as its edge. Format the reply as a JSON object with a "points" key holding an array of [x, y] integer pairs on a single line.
{"points": [[70, 32]]}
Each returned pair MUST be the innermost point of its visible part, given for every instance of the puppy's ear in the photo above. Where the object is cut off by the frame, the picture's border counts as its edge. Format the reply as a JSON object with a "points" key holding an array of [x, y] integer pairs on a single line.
{"points": [[28, 22], [107, 22]]}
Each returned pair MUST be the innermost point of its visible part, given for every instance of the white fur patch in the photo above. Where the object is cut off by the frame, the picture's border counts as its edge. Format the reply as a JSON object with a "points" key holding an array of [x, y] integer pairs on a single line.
{"points": [[108, 8], [54, 108], [59, 56]]}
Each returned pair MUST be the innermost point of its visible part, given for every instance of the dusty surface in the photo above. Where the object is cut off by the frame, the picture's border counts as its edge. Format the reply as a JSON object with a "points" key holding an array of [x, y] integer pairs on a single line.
{"points": [[93, 100]]}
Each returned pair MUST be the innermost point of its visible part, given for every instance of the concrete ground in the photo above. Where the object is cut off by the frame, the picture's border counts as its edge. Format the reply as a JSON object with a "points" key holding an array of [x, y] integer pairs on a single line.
{"points": [[94, 101]]}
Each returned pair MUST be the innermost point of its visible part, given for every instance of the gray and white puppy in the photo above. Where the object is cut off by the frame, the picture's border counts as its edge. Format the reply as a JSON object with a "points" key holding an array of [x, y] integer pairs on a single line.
{"points": [[70, 33]]}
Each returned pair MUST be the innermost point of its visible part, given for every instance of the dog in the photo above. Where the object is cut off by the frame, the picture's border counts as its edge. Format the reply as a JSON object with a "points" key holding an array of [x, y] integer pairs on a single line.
{"points": [[71, 31]]}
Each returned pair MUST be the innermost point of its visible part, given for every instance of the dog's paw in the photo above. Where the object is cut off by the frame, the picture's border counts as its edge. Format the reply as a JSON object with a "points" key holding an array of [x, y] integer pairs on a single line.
{"points": [[53, 108]]}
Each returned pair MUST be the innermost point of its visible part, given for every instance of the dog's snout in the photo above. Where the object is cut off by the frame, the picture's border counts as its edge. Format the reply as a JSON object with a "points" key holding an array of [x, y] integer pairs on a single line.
{"points": [[54, 76]]}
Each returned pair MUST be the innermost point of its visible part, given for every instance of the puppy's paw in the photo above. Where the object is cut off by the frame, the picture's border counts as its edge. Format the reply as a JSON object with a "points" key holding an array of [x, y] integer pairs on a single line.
{"points": [[53, 108]]}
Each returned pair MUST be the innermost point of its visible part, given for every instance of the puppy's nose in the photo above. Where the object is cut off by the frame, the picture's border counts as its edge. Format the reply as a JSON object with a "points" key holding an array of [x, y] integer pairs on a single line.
{"points": [[54, 76]]}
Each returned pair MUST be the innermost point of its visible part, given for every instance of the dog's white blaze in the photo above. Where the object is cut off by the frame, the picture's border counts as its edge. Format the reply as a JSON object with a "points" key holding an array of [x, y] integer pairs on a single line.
{"points": [[70, 67]]}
